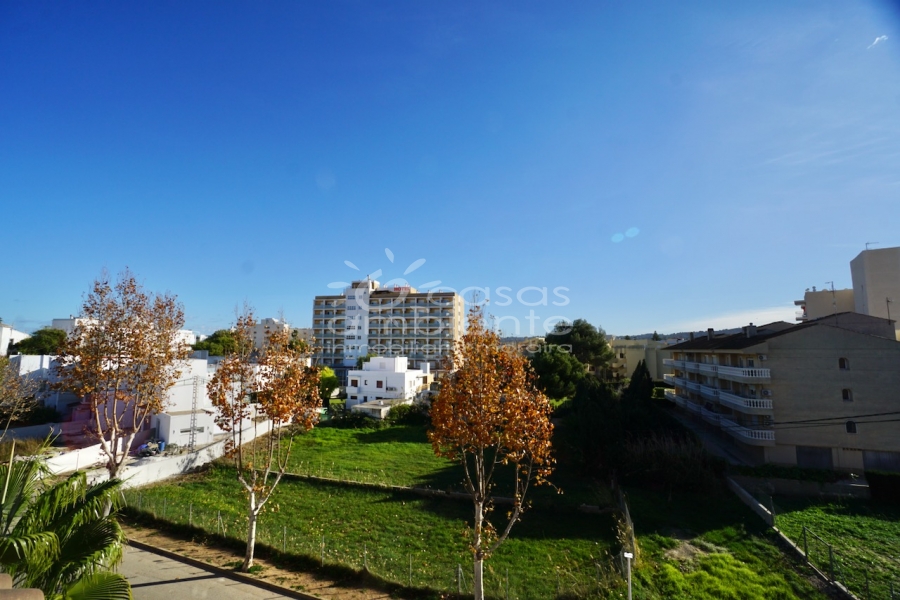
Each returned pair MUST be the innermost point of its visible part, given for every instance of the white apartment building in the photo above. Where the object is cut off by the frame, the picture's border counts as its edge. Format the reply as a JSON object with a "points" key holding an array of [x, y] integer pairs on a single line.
{"points": [[808, 394], [9, 335], [384, 382], [264, 328], [391, 322]]}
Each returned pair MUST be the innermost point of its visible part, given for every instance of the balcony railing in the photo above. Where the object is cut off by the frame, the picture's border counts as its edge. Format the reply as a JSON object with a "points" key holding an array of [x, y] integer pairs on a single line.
{"points": [[739, 373], [754, 437], [693, 386], [710, 416], [747, 405], [669, 362], [671, 395], [708, 368], [693, 407], [692, 367], [709, 392]]}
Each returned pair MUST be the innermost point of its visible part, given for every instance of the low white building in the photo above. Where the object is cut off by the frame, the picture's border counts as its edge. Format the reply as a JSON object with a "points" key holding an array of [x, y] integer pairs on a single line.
{"points": [[188, 408], [384, 380], [8, 336]]}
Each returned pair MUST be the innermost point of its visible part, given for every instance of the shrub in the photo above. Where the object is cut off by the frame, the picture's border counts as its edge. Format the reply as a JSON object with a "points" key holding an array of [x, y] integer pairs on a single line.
{"points": [[884, 486], [672, 464], [349, 419], [408, 414]]}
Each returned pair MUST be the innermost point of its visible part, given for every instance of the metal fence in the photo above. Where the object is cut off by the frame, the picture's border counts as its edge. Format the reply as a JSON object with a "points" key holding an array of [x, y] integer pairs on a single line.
{"points": [[858, 576], [407, 567]]}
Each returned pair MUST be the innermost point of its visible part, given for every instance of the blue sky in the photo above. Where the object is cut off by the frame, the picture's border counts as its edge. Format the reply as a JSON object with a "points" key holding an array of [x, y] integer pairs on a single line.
{"points": [[671, 165]]}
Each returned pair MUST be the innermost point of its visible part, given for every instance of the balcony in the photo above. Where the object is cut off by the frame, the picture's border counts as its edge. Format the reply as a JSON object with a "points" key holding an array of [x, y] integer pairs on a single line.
{"points": [[693, 407], [692, 367], [751, 406], [693, 386], [710, 417], [740, 374], [708, 368], [670, 395], [709, 392], [753, 437]]}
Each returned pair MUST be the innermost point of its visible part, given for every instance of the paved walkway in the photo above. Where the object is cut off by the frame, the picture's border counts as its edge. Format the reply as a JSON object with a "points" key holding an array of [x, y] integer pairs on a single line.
{"points": [[155, 577]]}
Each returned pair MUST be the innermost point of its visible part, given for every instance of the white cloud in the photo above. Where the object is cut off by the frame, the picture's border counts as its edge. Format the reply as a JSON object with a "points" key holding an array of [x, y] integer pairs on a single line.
{"points": [[759, 316], [878, 40]]}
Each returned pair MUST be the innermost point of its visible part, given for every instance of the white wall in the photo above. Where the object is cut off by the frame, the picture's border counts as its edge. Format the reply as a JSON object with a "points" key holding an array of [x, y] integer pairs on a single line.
{"points": [[8, 336]]}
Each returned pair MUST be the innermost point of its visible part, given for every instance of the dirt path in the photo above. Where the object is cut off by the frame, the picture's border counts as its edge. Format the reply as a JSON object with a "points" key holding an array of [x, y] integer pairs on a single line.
{"points": [[305, 582]]}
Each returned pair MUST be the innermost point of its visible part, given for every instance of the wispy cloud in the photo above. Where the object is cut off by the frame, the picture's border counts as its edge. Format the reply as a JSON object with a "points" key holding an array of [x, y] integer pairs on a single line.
{"points": [[878, 40], [759, 316]]}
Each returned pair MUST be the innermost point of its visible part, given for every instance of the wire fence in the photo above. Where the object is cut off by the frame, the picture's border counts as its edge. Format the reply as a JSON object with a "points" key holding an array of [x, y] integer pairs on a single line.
{"points": [[872, 577], [413, 568]]}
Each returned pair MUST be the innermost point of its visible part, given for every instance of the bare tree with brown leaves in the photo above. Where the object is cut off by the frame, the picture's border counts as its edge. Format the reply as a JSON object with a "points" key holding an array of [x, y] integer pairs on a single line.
{"points": [[490, 417], [279, 386], [17, 395], [122, 357]]}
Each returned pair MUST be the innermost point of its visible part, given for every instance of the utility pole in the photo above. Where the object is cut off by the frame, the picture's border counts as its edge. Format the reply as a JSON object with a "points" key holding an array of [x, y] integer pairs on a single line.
{"points": [[833, 302]]}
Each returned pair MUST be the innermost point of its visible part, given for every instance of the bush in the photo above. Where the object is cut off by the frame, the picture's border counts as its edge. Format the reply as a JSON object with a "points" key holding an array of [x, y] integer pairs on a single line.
{"points": [[798, 473], [671, 463], [349, 419], [408, 414], [884, 486]]}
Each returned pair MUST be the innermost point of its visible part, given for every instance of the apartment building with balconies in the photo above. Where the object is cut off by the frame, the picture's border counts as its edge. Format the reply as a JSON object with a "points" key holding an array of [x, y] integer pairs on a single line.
{"points": [[820, 394], [391, 321]]}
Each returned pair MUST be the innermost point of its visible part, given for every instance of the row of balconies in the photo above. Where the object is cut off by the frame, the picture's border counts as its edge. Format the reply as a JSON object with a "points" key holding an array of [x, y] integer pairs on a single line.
{"points": [[747, 435], [721, 371]]}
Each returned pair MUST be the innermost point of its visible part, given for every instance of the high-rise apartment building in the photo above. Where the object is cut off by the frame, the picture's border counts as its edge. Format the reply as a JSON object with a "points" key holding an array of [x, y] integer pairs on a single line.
{"points": [[393, 321]]}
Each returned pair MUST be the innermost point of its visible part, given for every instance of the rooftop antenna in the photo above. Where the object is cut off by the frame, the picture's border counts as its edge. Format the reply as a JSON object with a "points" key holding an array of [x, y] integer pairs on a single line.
{"points": [[833, 301], [871, 244], [888, 302]]}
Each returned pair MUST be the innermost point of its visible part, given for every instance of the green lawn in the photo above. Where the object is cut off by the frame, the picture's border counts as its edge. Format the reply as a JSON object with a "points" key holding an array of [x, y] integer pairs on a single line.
{"points": [[865, 536], [703, 546], [388, 530], [710, 546], [402, 455]]}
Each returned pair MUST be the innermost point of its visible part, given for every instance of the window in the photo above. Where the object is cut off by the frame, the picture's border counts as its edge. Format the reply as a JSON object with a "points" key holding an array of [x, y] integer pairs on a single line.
{"points": [[851, 426], [379, 384], [354, 382], [847, 395], [843, 364]]}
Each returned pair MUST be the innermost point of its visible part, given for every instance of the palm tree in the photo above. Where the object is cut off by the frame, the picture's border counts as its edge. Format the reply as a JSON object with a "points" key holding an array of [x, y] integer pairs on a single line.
{"points": [[60, 538]]}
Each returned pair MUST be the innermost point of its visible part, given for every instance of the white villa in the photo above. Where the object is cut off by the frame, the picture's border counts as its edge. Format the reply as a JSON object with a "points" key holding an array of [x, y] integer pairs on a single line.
{"points": [[385, 382]]}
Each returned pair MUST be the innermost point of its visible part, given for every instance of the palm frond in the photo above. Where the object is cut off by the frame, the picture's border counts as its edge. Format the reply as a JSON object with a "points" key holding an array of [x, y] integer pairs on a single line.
{"points": [[99, 586]]}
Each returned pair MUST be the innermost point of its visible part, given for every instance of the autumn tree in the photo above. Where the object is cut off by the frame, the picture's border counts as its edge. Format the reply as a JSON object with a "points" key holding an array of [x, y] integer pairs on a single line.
{"points": [[277, 385], [122, 357], [490, 417], [17, 395]]}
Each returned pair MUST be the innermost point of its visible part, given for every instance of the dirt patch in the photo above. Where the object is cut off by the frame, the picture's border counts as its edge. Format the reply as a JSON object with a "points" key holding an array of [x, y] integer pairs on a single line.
{"points": [[684, 552], [305, 582]]}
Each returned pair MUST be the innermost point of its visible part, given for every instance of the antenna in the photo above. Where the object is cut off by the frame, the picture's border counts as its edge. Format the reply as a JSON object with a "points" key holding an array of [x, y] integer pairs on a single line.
{"points": [[888, 302], [833, 301], [871, 244]]}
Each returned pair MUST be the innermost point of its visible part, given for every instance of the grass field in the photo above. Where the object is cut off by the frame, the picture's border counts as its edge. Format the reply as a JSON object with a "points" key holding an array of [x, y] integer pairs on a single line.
{"points": [[388, 530], [704, 546], [402, 455], [710, 546], [865, 537]]}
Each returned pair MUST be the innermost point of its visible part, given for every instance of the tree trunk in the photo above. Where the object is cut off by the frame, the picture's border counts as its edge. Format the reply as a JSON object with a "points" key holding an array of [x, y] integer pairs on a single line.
{"points": [[252, 516], [478, 586], [478, 555]]}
